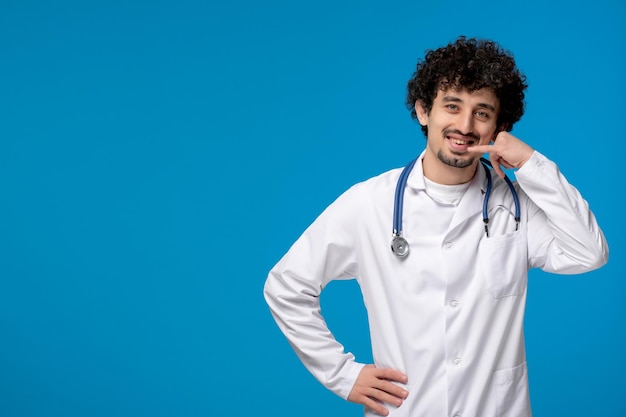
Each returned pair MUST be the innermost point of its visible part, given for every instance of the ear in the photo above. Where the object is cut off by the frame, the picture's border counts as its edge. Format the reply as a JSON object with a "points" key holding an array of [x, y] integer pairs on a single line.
{"points": [[422, 114]]}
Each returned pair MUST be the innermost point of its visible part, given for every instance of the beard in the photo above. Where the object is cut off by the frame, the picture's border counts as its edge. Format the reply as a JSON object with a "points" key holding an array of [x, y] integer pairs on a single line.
{"points": [[455, 162]]}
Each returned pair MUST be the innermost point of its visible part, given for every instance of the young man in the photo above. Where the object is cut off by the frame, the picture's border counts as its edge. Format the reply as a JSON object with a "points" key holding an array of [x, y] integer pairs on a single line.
{"points": [[446, 319]]}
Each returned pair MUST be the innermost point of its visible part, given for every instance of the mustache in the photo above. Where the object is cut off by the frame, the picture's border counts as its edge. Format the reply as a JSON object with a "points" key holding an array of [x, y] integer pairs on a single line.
{"points": [[472, 135]]}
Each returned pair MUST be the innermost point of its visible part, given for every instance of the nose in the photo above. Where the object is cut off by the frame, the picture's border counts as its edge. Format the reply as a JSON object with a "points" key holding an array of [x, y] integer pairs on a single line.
{"points": [[466, 122]]}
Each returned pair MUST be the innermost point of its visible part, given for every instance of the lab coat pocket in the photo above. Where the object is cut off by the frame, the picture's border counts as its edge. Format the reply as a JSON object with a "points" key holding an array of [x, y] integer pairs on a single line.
{"points": [[511, 391], [503, 263]]}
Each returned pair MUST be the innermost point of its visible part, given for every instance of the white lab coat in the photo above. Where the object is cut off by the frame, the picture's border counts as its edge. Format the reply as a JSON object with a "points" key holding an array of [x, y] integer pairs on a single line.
{"points": [[451, 314]]}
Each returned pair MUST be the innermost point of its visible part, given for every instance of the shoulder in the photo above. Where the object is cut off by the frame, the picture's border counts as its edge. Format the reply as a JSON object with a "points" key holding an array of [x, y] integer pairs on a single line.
{"points": [[369, 193], [380, 182]]}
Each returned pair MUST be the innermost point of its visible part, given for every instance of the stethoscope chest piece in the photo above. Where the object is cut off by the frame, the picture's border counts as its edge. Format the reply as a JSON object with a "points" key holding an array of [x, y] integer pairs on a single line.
{"points": [[399, 246]]}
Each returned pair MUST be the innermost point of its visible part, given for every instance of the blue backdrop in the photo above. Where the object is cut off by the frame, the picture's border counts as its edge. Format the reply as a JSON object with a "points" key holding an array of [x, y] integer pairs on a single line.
{"points": [[157, 158]]}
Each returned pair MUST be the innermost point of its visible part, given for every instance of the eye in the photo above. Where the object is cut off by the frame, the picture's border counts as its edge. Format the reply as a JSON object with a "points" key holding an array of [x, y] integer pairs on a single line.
{"points": [[482, 114], [452, 107]]}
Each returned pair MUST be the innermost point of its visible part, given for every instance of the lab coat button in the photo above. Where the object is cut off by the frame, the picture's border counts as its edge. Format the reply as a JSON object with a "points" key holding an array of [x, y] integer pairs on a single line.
{"points": [[456, 361], [448, 245], [454, 303]]}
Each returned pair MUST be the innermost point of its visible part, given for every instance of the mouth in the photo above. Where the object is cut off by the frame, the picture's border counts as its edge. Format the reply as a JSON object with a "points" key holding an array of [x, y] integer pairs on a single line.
{"points": [[459, 143]]}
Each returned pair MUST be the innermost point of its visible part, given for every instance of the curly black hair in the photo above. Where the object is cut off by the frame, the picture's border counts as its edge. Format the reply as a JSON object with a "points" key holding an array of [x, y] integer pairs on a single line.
{"points": [[470, 64]]}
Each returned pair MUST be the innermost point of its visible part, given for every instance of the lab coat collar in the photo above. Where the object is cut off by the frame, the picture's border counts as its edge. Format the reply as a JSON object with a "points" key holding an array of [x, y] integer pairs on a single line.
{"points": [[472, 201], [416, 177]]}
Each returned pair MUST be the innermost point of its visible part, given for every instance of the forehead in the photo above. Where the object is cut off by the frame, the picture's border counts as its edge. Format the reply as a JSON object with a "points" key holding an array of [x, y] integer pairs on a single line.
{"points": [[483, 96]]}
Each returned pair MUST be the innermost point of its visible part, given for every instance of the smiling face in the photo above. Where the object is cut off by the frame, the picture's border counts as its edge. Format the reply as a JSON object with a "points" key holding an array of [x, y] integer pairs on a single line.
{"points": [[458, 119]]}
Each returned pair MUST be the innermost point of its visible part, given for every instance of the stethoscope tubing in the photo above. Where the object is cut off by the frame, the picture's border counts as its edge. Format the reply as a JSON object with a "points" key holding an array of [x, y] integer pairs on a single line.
{"points": [[399, 203], [399, 198], [487, 164]]}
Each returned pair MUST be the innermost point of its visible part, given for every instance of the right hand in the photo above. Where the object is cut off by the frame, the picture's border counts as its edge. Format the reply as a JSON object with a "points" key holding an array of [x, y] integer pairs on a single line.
{"points": [[373, 388]]}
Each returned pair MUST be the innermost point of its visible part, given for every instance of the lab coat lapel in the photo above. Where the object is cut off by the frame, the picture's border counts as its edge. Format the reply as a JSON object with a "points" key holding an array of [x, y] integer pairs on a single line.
{"points": [[472, 201]]}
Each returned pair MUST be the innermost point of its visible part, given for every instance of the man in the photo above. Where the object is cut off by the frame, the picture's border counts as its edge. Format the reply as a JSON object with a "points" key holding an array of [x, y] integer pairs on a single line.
{"points": [[446, 320]]}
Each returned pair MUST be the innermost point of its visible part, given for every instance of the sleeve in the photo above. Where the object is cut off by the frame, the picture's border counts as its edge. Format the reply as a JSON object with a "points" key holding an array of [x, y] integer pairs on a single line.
{"points": [[327, 250], [563, 234]]}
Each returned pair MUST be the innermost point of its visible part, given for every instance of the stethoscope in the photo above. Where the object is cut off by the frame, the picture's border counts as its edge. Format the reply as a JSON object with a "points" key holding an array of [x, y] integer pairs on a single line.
{"points": [[399, 245]]}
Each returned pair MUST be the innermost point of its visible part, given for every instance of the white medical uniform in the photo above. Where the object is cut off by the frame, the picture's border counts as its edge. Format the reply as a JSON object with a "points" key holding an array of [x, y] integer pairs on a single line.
{"points": [[451, 314]]}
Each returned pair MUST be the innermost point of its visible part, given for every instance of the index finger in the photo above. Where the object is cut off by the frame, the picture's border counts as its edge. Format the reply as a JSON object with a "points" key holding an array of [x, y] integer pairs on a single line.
{"points": [[480, 149], [391, 375]]}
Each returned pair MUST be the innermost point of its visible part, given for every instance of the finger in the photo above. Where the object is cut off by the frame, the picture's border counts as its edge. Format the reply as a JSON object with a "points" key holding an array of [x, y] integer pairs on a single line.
{"points": [[384, 397], [505, 164], [495, 162], [391, 374], [372, 398], [375, 405], [387, 397], [392, 389], [481, 149]]}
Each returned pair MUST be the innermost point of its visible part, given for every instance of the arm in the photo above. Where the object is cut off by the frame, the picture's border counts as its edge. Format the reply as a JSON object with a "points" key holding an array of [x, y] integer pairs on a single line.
{"points": [[564, 236], [327, 250]]}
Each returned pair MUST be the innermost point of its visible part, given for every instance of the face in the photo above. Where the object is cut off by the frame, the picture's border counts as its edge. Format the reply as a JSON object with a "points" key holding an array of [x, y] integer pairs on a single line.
{"points": [[457, 120]]}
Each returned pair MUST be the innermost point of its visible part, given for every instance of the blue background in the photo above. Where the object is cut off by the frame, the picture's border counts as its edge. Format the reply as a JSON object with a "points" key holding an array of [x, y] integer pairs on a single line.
{"points": [[157, 158]]}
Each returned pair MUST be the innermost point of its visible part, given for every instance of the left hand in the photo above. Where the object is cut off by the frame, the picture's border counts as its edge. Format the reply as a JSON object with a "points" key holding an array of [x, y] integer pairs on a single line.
{"points": [[376, 386], [507, 151]]}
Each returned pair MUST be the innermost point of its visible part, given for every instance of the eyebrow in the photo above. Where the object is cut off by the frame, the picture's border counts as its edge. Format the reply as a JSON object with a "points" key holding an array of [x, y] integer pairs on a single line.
{"points": [[452, 99]]}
